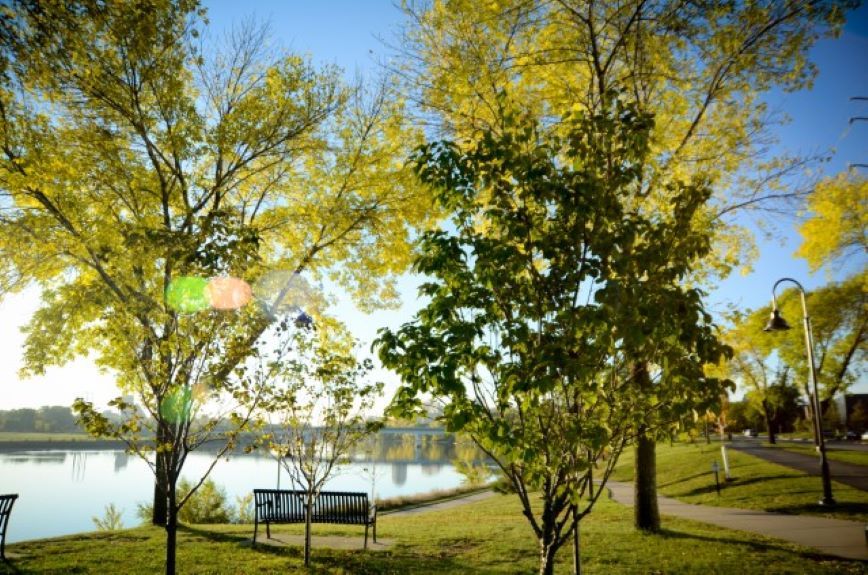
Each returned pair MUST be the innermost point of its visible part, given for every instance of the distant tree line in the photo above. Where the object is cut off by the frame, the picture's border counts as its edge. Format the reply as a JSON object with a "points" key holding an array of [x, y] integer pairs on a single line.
{"points": [[46, 419]]}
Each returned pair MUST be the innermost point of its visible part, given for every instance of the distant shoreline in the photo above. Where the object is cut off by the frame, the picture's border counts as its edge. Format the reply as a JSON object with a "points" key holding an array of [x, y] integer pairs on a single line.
{"points": [[43, 444]]}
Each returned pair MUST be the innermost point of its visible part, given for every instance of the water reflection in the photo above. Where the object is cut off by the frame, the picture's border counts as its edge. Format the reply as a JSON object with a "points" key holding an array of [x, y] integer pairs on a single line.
{"points": [[431, 468], [430, 451], [122, 459], [37, 457], [399, 473], [392, 466], [79, 466]]}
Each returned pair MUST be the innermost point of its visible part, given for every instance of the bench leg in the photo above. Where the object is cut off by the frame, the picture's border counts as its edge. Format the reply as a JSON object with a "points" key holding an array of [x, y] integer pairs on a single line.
{"points": [[268, 529], [366, 535]]}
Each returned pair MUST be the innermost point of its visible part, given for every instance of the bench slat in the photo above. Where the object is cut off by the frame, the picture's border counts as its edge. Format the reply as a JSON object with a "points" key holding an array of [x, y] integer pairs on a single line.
{"points": [[287, 506]]}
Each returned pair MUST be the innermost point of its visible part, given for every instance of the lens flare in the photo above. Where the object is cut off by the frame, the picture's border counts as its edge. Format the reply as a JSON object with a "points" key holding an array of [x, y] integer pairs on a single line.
{"points": [[177, 405], [187, 294], [228, 293], [281, 291]]}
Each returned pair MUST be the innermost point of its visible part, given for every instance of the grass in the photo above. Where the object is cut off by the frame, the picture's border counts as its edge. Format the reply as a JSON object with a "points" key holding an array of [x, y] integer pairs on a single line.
{"points": [[36, 436], [834, 454], [684, 472], [489, 536]]}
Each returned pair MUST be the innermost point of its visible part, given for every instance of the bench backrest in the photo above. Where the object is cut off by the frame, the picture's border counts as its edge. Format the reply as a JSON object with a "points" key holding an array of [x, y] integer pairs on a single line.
{"points": [[6, 502], [287, 506]]}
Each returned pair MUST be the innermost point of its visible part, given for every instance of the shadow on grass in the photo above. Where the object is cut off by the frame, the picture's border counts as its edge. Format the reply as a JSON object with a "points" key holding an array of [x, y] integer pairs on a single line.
{"points": [[724, 539], [855, 509], [396, 560], [682, 479], [216, 536], [710, 488]]}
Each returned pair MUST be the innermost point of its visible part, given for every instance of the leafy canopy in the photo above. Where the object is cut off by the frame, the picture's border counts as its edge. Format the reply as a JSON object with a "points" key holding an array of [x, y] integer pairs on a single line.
{"points": [[546, 286]]}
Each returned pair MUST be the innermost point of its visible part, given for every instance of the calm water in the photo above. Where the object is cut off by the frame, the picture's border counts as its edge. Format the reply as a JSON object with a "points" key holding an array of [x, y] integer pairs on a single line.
{"points": [[60, 491]]}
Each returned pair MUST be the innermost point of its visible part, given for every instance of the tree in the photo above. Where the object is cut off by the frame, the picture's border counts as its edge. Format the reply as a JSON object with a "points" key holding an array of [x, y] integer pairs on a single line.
{"points": [[317, 409], [838, 224], [755, 366], [56, 419], [768, 364], [740, 417], [547, 296], [839, 319], [699, 67], [858, 420], [136, 164]]}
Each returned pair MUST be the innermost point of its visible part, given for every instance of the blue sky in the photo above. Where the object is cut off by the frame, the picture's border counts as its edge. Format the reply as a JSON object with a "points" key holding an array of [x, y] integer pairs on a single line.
{"points": [[348, 32]]}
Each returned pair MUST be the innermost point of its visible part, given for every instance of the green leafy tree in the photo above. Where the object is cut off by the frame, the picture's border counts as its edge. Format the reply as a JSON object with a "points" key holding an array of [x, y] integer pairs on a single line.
{"points": [[766, 364], [207, 505], [317, 408], [699, 67], [546, 294], [740, 416], [858, 419], [111, 521], [839, 319], [136, 163], [755, 366]]}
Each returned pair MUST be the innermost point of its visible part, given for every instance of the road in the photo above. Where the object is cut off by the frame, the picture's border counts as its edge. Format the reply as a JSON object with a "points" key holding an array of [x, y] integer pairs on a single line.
{"points": [[846, 473]]}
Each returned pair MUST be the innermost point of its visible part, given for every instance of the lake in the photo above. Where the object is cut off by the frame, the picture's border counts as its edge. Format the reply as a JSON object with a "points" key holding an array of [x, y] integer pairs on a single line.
{"points": [[60, 491]]}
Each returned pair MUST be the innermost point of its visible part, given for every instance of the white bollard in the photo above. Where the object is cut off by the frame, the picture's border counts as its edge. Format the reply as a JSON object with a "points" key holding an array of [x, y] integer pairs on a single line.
{"points": [[725, 462]]}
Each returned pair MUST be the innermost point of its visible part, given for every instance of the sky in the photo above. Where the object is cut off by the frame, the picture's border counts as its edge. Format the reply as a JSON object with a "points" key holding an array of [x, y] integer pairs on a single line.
{"points": [[349, 32]]}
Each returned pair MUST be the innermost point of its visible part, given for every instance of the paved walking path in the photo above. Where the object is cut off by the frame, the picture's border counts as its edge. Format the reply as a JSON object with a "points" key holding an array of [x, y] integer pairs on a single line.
{"points": [[440, 505], [830, 536], [847, 473]]}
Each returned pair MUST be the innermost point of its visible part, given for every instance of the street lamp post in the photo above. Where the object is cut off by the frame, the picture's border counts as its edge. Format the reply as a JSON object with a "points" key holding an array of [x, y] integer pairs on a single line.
{"points": [[777, 323]]}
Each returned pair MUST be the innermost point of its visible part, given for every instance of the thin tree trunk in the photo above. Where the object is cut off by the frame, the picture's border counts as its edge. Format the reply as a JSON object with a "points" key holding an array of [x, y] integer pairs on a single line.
{"points": [[308, 516], [161, 499], [646, 513], [577, 558], [171, 532], [770, 423]]}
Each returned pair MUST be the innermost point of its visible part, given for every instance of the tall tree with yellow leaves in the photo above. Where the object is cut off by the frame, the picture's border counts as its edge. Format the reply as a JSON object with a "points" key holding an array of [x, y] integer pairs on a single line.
{"points": [[136, 164]]}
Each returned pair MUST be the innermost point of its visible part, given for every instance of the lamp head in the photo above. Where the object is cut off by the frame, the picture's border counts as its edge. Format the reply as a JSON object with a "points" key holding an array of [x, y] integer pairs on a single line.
{"points": [[776, 322]]}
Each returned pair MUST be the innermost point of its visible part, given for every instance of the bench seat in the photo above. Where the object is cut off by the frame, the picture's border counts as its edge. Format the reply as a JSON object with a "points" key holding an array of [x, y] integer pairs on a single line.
{"points": [[338, 507]]}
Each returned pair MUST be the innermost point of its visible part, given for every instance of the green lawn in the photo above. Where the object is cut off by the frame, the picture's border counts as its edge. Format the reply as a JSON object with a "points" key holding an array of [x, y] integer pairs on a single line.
{"points": [[485, 537], [684, 472], [843, 455]]}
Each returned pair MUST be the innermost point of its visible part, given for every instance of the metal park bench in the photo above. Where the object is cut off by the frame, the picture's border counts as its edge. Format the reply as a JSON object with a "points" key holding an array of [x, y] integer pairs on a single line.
{"points": [[6, 502], [285, 506]]}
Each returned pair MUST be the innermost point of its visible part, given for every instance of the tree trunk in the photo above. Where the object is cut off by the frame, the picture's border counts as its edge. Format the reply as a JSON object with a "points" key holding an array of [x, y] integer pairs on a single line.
{"points": [[171, 532], [577, 557], [646, 513], [547, 552], [161, 499], [308, 516], [770, 423]]}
